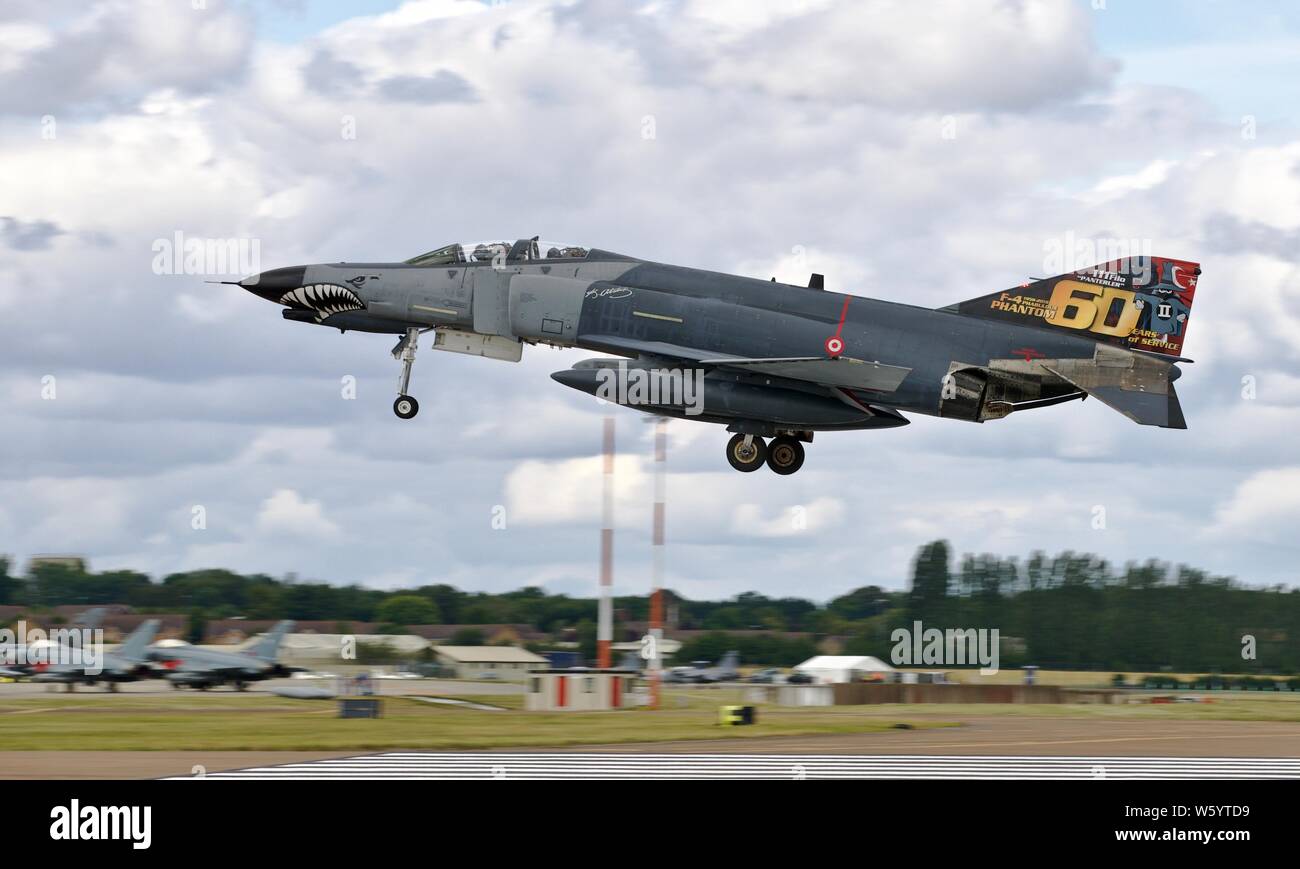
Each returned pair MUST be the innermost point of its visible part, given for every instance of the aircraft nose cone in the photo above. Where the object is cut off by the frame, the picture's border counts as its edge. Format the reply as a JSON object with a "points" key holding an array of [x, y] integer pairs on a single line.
{"points": [[275, 283], [583, 381]]}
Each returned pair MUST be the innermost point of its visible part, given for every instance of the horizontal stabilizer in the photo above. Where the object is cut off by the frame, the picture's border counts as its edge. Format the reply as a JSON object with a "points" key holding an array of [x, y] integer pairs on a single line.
{"points": [[1140, 387], [1144, 408]]}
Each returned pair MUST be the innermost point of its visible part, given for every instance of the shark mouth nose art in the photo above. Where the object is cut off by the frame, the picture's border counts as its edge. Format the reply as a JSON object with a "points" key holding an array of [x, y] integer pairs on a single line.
{"points": [[325, 299]]}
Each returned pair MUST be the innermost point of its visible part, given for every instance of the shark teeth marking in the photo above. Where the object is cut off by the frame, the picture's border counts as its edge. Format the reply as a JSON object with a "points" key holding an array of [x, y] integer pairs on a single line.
{"points": [[325, 299]]}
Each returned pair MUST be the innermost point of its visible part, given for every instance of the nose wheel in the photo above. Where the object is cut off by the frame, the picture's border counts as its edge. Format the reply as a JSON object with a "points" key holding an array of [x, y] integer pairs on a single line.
{"points": [[405, 406]]}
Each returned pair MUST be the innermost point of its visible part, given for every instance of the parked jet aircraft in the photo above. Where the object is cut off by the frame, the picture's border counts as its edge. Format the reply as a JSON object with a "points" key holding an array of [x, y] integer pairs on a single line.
{"points": [[769, 360], [701, 673], [188, 666], [21, 659], [128, 663]]}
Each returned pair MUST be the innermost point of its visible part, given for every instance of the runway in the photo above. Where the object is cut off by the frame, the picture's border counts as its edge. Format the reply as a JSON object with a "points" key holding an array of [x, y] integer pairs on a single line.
{"points": [[565, 765]]}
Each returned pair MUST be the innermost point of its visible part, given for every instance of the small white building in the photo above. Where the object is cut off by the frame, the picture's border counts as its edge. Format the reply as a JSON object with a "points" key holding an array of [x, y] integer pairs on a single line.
{"points": [[582, 690], [489, 662], [833, 669]]}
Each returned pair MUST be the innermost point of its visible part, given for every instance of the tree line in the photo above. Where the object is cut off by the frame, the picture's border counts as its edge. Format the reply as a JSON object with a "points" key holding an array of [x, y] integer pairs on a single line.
{"points": [[1069, 611]]}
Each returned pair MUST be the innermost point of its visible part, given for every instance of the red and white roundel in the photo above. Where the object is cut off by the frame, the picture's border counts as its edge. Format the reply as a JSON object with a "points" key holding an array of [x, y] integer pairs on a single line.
{"points": [[835, 345]]}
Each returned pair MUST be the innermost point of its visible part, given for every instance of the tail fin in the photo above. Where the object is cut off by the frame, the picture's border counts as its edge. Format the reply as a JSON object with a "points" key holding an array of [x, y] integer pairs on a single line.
{"points": [[268, 646], [1139, 303], [729, 661], [133, 646], [91, 618]]}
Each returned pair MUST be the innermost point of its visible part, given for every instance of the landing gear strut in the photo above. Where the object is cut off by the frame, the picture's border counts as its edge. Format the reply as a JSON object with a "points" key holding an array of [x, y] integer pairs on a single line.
{"points": [[405, 406]]}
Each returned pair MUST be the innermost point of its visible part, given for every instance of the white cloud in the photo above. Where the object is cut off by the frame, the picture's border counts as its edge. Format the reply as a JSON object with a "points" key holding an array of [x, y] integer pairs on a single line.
{"points": [[748, 520], [287, 512], [1264, 507]]}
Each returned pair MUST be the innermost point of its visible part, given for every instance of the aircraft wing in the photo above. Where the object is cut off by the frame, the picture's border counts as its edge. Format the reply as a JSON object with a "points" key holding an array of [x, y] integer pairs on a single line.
{"points": [[836, 372], [841, 372]]}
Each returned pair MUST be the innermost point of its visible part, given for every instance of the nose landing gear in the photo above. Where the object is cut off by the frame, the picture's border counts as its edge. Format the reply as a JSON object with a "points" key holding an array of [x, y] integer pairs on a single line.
{"points": [[747, 453], [405, 406]]}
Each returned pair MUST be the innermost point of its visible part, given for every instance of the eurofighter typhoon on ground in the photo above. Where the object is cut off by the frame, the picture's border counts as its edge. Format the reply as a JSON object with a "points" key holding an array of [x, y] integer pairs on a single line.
{"points": [[772, 362]]}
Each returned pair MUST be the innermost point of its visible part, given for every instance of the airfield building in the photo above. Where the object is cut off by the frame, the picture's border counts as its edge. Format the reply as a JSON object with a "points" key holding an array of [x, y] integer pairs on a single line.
{"points": [[582, 690], [489, 662]]}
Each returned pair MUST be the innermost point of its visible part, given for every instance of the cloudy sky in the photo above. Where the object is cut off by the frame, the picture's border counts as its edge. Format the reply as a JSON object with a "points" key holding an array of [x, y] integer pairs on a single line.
{"points": [[924, 152]]}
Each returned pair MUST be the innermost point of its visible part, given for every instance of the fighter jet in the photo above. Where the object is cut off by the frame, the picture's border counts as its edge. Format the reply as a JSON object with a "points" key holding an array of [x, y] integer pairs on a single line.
{"points": [[187, 666], [127, 663], [22, 659], [699, 672], [773, 362]]}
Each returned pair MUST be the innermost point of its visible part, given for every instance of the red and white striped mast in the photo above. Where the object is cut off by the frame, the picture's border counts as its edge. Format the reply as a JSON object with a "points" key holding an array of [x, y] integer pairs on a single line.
{"points": [[657, 563], [605, 616]]}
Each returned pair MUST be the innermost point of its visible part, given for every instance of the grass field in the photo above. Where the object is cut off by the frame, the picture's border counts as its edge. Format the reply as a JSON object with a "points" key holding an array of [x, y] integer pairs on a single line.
{"points": [[261, 722], [253, 722]]}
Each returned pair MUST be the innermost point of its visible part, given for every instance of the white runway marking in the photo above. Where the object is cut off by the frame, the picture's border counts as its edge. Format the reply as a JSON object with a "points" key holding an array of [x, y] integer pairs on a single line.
{"points": [[559, 765]]}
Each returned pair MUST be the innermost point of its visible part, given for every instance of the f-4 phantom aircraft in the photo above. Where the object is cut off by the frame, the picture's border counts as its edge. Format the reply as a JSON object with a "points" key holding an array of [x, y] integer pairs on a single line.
{"points": [[773, 362]]}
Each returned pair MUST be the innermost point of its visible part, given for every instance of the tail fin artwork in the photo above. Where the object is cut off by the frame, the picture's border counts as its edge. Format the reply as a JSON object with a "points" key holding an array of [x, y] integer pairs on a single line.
{"points": [[268, 646], [133, 647], [1136, 309], [1138, 303]]}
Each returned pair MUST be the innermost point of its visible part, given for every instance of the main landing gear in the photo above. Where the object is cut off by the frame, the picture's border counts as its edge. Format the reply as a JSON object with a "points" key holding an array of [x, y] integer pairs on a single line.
{"points": [[746, 453], [405, 406]]}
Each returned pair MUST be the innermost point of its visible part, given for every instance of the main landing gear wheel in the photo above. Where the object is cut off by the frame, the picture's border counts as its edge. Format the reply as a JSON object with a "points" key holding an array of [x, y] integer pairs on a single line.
{"points": [[785, 455], [406, 407], [746, 452]]}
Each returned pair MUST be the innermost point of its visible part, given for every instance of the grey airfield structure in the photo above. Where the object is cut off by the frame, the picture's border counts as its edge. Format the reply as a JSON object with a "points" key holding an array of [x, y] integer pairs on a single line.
{"points": [[773, 362]]}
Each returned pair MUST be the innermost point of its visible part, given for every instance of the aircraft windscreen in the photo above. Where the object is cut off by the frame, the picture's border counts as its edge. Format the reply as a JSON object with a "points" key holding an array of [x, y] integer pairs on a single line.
{"points": [[499, 251], [452, 253], [550, 250]]}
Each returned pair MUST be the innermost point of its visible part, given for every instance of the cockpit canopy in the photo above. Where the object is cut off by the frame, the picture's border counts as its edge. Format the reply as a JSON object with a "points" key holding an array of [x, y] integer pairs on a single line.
{"points": [[523, 250]]}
